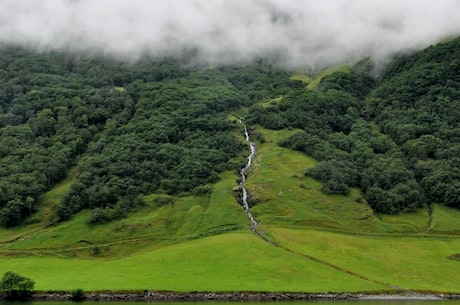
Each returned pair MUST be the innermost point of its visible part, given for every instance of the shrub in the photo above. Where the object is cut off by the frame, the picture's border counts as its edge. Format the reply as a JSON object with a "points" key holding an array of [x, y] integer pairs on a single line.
{"points": [[16, 287], [161, 201], [78, 295]]}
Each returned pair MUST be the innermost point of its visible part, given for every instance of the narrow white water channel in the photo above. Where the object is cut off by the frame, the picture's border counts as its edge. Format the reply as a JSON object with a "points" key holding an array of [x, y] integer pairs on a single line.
{"points": [[243, 173]]}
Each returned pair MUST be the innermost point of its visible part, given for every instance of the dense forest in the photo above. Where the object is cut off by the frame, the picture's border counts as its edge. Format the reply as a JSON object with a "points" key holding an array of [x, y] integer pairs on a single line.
{"points": [[161, 125], [396, 137], [155, 126]]}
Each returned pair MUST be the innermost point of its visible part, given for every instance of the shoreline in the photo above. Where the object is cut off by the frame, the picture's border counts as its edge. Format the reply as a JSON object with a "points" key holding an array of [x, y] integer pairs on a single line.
{"points": [[148, 296]]}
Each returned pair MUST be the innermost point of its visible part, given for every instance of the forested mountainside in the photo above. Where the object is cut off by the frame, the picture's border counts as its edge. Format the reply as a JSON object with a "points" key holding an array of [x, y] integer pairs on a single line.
{"points": [[156, 126], [162, 126], [397, 138]]}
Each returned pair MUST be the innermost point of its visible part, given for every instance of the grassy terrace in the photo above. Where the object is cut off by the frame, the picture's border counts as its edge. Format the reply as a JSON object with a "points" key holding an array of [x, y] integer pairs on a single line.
{"points": [[319, 243]]}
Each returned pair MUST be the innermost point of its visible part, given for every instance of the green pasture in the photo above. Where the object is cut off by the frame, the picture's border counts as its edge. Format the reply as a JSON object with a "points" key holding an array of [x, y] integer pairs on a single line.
{"points": [[402, 262], [152, 226], [234, 261], [314, 242], [445, 220], [282, 195]]}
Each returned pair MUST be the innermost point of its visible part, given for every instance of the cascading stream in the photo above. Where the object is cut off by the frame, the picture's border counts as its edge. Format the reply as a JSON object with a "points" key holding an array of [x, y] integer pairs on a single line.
{"points": [[243, 172]]}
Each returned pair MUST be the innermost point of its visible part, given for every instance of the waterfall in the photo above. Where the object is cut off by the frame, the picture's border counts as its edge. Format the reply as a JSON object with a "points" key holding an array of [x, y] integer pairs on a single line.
{"points": [[243, 178]]}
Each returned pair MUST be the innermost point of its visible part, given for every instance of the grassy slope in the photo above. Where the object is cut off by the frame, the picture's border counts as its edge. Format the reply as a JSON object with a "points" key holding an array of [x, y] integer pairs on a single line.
{"points": [[40, 219], [311, 82], [326, 243], [234, 261], [283, 196], [188, 218], [302, 77], [445, 220], [396, 250], [408, 262], [318, 77]]}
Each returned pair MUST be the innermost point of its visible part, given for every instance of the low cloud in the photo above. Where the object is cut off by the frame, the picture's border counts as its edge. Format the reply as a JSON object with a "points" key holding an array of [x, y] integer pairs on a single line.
{"points": [[297, 32]]}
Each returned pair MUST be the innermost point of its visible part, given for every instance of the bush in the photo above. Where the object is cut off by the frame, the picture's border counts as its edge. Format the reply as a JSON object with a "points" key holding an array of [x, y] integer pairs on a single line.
{"points": [[101, 215], [335, 187], [161, 201], [78, 295], [16, 287]]}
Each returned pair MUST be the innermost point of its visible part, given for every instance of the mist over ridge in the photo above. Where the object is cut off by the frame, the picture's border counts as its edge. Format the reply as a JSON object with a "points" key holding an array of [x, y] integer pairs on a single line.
{"points": [[298, 33]]}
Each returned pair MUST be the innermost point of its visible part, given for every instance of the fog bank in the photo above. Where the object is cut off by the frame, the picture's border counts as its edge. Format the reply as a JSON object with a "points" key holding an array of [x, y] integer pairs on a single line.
{"points": [[297, 32]]}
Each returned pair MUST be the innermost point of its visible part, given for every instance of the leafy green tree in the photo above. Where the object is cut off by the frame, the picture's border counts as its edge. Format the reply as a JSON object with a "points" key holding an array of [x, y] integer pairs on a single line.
{"points": [[15, 286]]}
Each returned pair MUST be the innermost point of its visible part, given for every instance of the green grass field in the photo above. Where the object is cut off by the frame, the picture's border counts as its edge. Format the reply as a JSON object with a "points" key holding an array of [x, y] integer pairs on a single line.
{"points": [[233, 261], [406, 262], [317, 243]]}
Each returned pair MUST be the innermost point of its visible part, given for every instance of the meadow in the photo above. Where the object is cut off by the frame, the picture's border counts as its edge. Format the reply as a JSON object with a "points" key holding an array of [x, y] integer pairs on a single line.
{"points": [[312, 242]]}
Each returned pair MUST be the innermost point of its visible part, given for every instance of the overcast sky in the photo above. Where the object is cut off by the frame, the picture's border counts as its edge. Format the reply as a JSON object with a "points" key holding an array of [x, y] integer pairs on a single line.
{"points": [[300, 32]]}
